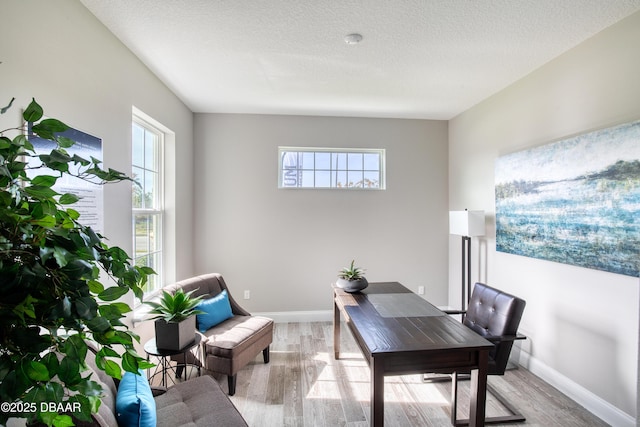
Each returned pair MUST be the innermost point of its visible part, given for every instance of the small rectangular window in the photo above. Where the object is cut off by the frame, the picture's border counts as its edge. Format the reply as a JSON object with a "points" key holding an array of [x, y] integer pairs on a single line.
{"points": [[349, 168]]}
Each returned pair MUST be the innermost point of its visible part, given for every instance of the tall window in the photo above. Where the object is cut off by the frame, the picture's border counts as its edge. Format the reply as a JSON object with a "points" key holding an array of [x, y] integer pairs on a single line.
{"points": [[331, 168], [147, 143]]}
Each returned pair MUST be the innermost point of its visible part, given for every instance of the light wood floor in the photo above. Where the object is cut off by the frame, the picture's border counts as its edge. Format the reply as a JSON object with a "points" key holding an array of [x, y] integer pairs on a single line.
{"points": [[304, 386]]}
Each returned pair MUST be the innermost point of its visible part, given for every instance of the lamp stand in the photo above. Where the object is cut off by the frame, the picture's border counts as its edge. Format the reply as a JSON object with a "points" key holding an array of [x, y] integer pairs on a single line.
{"points": [[466, 273], [467, 224]]}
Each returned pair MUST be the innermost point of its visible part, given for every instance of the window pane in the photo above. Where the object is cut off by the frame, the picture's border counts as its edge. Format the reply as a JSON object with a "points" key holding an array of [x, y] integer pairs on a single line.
{"points": [[153, 261], [149, 201], [146, 200], [323, 179], [372, 161], [307, 161], [150, 150], [141, 242], [331, 168], [354, 178], [147, 244], [323, 161], [339, 179], [290, 177], [137, 188], [339, 161], [154, 233], [371, 179], [354, 160], [137, 141], [147, 231], [307, 179]]}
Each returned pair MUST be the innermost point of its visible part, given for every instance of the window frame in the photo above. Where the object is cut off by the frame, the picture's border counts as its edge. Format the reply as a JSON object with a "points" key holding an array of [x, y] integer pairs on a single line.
{"points": [[157, 212], [381, 152]]}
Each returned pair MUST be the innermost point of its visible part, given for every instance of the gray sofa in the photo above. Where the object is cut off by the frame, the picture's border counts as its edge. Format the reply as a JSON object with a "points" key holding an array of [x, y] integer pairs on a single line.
{"points": [[227, 347], [198, 402]]}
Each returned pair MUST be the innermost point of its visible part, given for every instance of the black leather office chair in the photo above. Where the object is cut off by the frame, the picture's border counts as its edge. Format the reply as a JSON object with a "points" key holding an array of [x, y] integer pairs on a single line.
{"points": [[496, 316]]}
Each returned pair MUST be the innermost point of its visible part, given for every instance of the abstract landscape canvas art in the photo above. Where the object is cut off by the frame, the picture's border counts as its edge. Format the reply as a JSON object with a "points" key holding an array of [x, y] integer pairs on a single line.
{"points": [[574, 201]]}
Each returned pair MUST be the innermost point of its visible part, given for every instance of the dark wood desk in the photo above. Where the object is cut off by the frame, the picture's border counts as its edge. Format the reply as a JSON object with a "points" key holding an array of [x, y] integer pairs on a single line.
{"points": [[400, 333]]}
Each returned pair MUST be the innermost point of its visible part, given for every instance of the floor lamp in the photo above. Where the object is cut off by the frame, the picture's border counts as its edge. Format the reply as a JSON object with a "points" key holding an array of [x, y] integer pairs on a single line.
{"points": [[466, 224]]}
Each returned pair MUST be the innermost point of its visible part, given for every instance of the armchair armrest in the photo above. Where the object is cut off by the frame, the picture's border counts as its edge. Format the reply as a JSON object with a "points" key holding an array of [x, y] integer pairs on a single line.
{"points": [[236, 309], [503, 338]]}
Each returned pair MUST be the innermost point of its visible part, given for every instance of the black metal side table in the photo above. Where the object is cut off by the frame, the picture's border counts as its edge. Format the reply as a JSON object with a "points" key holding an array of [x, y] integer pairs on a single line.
{"points": [[164, 365]]}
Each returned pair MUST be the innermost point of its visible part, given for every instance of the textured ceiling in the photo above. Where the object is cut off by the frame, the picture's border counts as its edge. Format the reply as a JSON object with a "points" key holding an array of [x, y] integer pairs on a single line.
{"points": [[419, 58]]}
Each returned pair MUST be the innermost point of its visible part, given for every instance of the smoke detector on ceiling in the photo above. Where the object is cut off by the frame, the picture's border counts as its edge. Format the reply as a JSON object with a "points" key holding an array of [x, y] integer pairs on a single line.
{"points": [[353, 38]]}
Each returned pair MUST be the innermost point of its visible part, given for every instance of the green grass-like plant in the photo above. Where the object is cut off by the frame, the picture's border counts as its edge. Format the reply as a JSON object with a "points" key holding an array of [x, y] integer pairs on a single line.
{"points": [[351, 272], [175, 307]]}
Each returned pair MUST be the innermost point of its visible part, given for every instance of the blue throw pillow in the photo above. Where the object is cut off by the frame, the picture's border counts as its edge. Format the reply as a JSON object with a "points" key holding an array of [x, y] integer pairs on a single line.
{"points": [[135, 405], [217, 310]]}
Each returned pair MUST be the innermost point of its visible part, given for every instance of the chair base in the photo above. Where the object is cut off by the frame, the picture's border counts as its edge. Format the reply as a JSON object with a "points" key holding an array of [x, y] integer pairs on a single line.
{"points": [[514, 415]]}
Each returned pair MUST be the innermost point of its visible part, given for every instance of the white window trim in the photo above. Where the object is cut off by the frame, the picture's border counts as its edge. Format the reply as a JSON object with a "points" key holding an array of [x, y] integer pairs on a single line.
{"points": [[382, 166], [145, 121]]}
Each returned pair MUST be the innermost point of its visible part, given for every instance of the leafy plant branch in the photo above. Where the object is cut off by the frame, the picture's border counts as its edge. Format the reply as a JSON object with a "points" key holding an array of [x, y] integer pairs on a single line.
{"points": [[52, 288]]}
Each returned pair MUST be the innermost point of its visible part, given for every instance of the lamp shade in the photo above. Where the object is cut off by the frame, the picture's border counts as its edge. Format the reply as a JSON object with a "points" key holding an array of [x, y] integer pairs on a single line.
{"points": [[466, 223]]}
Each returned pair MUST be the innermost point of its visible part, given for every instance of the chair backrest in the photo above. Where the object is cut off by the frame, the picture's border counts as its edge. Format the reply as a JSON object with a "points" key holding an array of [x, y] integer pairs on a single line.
{"points": [[494, 314], [208, 285]]}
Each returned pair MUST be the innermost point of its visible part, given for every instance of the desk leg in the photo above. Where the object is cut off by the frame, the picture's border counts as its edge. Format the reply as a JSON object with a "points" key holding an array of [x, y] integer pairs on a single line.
{"points": [[479, 391], [377, 392], [336, 330]]}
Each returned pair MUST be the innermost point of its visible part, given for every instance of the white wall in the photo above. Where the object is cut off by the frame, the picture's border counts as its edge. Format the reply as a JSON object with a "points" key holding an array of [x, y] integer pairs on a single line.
{"points": [[57, 52], [582, 324], [286, 246]]}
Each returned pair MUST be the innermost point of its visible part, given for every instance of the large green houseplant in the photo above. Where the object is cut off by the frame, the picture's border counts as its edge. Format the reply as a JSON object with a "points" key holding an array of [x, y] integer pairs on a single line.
{"points": [[59, 284]]}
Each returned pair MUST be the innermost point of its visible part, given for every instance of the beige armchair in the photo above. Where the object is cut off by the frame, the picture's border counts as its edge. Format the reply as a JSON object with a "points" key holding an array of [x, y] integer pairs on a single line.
{"points": [[228, 346]]}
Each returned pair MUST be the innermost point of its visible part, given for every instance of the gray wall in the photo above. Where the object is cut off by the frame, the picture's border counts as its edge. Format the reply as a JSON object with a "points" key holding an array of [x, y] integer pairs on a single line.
{"points": [[57, 52], [286, 246], [582, 324]]}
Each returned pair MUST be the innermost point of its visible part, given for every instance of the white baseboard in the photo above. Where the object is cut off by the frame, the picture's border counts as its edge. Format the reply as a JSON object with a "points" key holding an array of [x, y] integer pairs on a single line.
{"points": [[298, 316], [593, 403]]}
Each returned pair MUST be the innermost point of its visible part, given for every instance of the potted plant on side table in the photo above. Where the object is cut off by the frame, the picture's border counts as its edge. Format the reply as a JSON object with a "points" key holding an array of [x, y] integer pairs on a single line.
{"points": [[175, 319], [351, 279]]}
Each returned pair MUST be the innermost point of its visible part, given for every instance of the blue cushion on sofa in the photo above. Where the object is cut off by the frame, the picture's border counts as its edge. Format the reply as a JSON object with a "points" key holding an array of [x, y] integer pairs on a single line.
{"points": [[217, 310], [135, 405]]}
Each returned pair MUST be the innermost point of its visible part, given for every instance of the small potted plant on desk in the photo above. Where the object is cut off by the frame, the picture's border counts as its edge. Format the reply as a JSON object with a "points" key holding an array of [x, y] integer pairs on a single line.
{"points": [[175, 320], [351, 279]]}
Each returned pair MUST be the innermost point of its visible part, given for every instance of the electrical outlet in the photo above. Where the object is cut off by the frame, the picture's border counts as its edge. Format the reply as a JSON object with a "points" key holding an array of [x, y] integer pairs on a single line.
{"points": [[420, 290], [247, 294]]}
